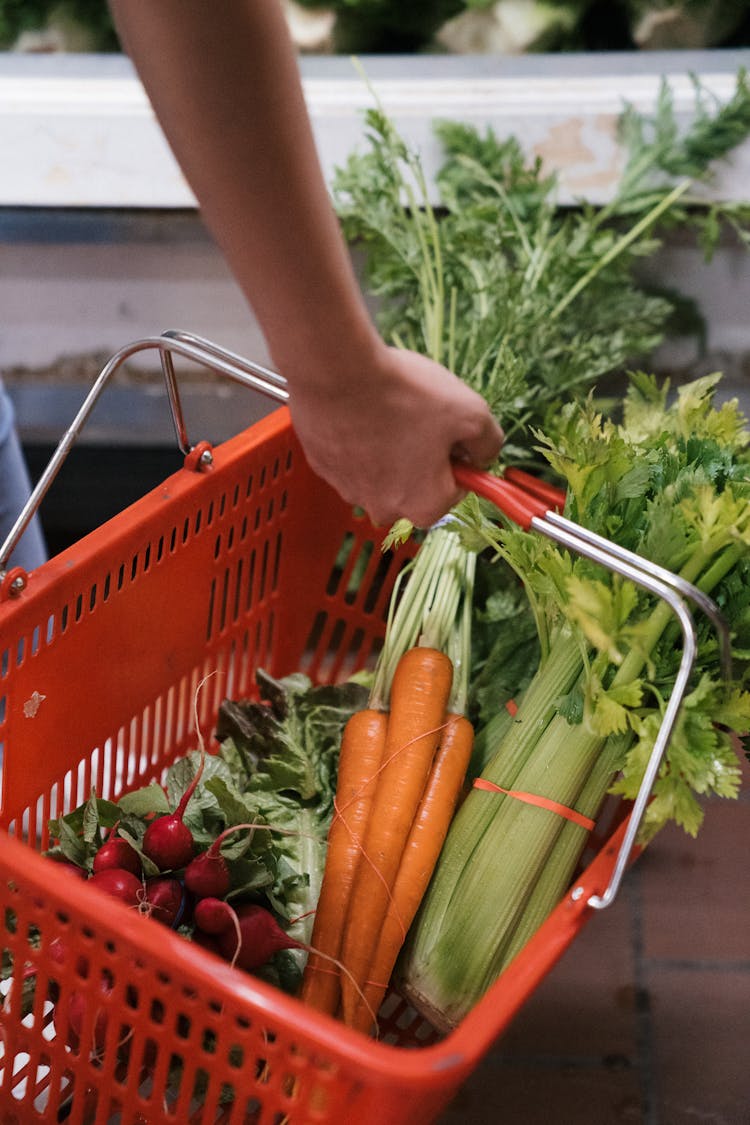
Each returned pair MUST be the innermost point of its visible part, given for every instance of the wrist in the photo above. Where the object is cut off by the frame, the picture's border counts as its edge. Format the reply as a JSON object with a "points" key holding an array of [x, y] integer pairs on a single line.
{"points": [[331, 358]]}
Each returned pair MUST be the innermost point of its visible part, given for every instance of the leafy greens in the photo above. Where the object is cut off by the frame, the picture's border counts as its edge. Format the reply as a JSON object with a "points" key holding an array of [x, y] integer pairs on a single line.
{"points": [[275, 769], [529, 302]]}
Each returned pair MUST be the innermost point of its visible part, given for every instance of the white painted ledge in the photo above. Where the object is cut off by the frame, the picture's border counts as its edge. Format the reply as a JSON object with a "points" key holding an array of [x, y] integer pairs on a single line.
{"points": [[78, 131]]}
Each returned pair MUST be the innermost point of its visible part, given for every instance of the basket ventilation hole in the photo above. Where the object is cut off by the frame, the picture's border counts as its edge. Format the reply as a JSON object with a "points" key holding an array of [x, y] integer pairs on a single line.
{"points": [[316, 633], [263, 573], [224, 600], [237, 603], [359, 570], [276, 563], [251, 578], [342, 558]]}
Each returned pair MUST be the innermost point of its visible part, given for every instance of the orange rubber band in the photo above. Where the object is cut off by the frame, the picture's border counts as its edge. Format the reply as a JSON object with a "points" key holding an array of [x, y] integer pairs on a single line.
{"points": [[540, 802]]}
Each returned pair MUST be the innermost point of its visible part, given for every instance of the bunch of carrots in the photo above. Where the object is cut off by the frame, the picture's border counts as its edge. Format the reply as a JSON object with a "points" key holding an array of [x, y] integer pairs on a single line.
{"points": [[401, 771]]}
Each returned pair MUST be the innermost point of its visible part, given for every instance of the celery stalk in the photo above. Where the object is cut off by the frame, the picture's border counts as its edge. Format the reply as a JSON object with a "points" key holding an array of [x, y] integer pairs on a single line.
{"points": [[506, 863], [508, 844], [475, 818], [555, 878]]}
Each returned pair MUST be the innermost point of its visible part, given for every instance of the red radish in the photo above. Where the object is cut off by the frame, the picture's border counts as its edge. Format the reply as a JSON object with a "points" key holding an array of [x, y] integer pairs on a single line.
{"points": [[168, 841], [59, 952], [260, 936], [257, 936], [207, 876], [214, 916], [117, 852], [164, 900], [124, 885], [78, 1004]]}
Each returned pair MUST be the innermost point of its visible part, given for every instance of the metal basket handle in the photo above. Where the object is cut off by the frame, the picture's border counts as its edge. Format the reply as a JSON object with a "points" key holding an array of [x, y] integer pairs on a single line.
{"points": [[169, 344]]}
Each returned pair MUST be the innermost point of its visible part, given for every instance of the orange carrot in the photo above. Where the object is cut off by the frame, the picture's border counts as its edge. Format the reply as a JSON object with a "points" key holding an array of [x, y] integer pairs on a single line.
{"points": [[420, 690], [360, 758], [421, 853]]}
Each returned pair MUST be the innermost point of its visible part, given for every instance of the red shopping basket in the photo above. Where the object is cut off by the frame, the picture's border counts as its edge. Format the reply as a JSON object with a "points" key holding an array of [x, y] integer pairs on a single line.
{"points": [[242, 559]]}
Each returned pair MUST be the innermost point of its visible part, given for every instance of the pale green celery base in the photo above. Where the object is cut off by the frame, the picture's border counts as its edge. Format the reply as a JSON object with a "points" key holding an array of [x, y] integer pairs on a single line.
{"points": [[486, 742], [474, 817], [481, 881], [493, 889], [555, 878]]}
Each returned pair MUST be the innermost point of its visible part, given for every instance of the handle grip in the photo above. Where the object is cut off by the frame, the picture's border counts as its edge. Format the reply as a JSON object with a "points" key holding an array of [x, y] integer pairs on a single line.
{"points": [[510, 498]]}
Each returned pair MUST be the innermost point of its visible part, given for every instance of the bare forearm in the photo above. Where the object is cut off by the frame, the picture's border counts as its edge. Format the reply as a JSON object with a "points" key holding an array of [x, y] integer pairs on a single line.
{"points": [[380, 425], [223, 80]]}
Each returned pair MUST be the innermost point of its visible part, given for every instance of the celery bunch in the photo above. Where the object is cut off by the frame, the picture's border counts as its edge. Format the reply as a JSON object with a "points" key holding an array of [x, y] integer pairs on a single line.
{"points": [[672, 482]]}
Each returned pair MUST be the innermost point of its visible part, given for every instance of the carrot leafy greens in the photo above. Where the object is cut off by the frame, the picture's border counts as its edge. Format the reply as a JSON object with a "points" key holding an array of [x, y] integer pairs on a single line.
{"points": [[532, 303]]}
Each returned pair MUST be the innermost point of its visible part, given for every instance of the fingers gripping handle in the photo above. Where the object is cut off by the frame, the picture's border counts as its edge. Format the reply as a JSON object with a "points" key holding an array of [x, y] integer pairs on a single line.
{"points": [[511, 499]]}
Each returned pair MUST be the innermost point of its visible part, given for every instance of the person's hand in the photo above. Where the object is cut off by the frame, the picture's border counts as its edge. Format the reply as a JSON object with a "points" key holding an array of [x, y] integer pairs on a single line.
{"points": [[384, 437]]}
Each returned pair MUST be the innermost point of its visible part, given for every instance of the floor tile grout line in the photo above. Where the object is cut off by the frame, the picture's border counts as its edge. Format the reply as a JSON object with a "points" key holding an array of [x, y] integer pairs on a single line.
{"points": [[644, 1036]]}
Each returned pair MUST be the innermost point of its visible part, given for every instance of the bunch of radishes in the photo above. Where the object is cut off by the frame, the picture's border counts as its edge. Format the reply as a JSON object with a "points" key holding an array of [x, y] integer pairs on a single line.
{"points": [[247, 935]]}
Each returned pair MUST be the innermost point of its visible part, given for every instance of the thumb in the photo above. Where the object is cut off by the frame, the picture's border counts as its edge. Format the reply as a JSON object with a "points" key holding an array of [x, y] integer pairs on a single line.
{"points": [[482, 448]]}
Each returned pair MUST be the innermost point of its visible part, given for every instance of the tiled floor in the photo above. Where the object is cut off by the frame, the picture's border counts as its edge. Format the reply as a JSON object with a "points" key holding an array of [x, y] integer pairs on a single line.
{"points": [[646, 1020]]}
